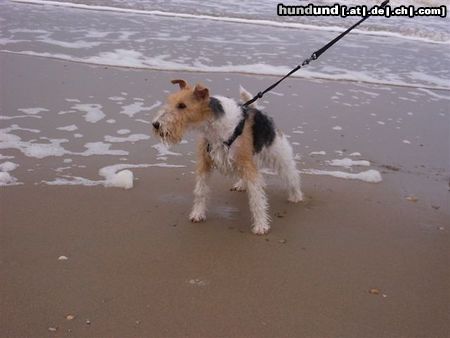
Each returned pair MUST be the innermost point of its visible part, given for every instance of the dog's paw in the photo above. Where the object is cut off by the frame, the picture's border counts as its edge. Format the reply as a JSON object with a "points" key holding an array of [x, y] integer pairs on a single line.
{"points": [[197, 217], [261, 229], [239, 186], [296, 197]]}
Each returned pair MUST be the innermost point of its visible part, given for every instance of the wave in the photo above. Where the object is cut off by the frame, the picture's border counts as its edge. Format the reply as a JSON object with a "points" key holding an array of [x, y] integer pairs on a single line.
{"points": [[295, 25], [133, 59]]}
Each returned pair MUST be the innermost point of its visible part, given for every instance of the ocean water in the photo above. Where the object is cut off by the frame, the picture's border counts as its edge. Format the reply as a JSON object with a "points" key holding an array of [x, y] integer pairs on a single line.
{"points": [[232, 36]]}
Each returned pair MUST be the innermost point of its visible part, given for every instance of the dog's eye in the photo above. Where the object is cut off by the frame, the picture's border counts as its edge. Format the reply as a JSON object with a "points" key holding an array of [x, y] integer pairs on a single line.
{"points": [[181, 105]]}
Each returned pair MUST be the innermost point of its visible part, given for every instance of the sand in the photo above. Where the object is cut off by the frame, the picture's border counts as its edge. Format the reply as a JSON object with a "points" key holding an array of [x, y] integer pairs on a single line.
{"points": [[356, 259]]}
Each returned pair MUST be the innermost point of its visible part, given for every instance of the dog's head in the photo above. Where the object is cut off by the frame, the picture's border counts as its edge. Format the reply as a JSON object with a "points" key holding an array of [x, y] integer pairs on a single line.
{"points": [[186, 108]]}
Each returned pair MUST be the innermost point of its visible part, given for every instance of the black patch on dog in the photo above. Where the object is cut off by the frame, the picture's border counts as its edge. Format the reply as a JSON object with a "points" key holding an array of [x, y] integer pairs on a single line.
{"points": [[263, 130], [216, 107]]}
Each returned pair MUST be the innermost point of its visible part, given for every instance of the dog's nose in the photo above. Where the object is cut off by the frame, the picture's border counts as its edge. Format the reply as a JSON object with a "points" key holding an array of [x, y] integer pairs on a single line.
{"points": [[156, 125]]}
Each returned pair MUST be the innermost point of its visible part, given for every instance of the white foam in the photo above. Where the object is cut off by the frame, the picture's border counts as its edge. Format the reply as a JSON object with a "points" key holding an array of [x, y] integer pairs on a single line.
{"points": [[5, 176], [123, 131], [115, 175], [129, 138], [143, 121], [3, 117], [348, 162], [2, 157], [163, 150], [234, 20], [66, 44], [6, 179], [17, 127], [52, 148], [371, 176], [122, 179], [337, 128], [406, 142], [73, 180], [138, 107], [355, 154], [100, 148], [116, 98], [318, 152], [72, 127], [8, 166], [32, 111], [135, 59], [439, 96], [430, 79], [93, 111]]}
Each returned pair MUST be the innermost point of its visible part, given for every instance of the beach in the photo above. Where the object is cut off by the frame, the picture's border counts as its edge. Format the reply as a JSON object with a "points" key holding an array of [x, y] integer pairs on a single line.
{"points": [[365, 255]]}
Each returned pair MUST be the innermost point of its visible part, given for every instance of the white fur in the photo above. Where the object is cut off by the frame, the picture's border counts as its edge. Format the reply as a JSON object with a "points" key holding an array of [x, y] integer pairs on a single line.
{"points": [[278, 157], [198, 213]]}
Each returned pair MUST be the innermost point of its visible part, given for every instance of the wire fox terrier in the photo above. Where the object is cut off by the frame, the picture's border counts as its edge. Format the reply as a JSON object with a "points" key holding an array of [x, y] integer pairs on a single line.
{"points": [[259, 146]]}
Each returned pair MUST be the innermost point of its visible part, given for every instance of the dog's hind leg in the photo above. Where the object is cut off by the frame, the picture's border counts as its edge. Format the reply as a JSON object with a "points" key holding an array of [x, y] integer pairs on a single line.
{"points": [[204, 165], [282, 158], [254, 182], [257, 200]]}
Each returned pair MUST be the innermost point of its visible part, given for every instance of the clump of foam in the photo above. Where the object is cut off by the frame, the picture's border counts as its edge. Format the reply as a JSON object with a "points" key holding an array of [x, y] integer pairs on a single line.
{"points": [[138, 107], [72, 127], [317, 153], [123, 131], [370, 176], [2, 157], [348, 162], [130, 138], [355, 154], [5, 176], [122, 179], [32, 111], [8, 166], [114, 176], [337, 128], [93, 111]]}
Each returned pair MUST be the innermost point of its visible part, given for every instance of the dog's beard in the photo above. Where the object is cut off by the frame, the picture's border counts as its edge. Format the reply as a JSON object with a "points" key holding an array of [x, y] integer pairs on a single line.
{"points": [[168, 137]]}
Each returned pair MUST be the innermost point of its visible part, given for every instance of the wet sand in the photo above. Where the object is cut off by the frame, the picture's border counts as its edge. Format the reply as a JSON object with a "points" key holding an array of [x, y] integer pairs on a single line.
{"points": [[137, 267]]}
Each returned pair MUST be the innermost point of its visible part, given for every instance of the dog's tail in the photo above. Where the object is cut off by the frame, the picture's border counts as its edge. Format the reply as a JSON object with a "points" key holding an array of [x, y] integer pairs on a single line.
{"points": [[245, 96]]}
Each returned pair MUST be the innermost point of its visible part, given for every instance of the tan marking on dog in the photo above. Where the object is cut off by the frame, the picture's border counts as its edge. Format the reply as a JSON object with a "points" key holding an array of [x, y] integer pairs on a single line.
{"points": [[245, 163], [196, 110]]}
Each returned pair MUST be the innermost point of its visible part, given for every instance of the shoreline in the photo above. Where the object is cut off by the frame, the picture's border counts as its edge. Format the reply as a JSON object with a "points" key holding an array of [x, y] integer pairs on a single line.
{"points": [[316, 78]]}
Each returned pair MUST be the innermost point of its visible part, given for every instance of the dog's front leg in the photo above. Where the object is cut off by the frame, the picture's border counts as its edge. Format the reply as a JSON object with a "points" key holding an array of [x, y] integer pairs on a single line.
{"points": [[201, 190], [198, 213]]}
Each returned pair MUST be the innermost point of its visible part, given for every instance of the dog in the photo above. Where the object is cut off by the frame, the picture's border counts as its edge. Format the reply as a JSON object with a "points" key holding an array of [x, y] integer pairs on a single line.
{"points": [[260, 145]]}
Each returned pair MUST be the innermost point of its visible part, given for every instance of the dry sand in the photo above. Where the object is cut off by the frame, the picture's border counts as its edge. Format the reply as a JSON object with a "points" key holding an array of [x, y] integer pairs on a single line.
{"points": [[137, 267]]}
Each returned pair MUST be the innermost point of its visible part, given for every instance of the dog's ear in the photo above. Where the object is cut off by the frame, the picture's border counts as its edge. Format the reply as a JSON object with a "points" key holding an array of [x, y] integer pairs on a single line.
{"points": [[180, 82], [200, 92]]}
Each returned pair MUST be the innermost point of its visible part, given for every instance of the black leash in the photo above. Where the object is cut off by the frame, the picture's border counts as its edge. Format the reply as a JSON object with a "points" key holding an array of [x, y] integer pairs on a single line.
{"points": [[314, 56]]}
